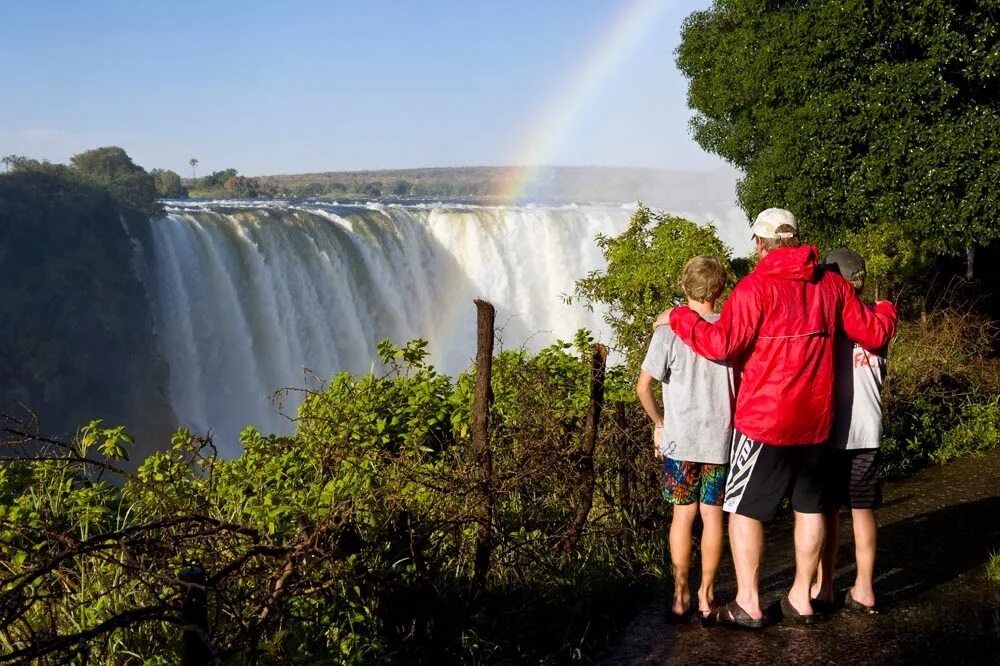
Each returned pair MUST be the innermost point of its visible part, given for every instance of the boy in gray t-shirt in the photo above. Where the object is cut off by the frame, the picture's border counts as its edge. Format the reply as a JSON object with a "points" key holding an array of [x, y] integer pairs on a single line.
{"points": [[853, 453], [693, 433]]}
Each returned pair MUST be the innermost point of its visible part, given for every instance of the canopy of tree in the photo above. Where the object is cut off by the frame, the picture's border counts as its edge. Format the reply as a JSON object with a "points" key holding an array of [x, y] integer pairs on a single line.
{"points": [[855, 114], [111, 168], [168, 184], [644, 267], [216, 178]]}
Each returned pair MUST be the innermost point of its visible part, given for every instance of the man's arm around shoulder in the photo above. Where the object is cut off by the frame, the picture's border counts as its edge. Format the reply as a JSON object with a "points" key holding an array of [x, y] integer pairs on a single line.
{"points": [[730, 336]]}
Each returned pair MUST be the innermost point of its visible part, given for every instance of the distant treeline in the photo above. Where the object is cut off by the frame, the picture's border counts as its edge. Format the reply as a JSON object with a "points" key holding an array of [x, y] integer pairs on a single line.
{"points": [[475, 182], [676, 189]]}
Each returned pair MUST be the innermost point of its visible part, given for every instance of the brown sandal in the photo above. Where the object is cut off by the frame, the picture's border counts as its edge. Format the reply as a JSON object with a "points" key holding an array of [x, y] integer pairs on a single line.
{"points": [[731, 615], [789, 613]]}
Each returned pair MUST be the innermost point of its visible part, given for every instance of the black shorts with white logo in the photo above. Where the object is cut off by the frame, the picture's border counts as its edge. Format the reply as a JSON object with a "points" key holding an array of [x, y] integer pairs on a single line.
{"points": [[853, 479], [762, 475]]}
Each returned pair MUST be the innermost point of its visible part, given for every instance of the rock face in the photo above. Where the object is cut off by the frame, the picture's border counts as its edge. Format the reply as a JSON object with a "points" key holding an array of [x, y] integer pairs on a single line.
{"points": [[77, 329]]}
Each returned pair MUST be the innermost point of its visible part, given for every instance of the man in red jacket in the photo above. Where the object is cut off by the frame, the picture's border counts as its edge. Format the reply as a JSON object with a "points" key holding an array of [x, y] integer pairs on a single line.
{"points": [[780, 325]]}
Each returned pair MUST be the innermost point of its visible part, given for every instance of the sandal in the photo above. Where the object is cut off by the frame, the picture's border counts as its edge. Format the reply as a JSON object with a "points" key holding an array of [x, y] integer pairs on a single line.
{"points": [[852, 604], [789, 613], [731, 615]]}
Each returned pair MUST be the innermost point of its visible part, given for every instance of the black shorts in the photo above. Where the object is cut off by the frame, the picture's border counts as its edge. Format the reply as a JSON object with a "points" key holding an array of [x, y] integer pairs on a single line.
{"points": [[853, 479], [762, 475]]}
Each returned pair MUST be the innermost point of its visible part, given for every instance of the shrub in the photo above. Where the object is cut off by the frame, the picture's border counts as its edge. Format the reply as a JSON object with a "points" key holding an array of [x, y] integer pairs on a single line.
{"points": [[939, 396], [353, 540]]}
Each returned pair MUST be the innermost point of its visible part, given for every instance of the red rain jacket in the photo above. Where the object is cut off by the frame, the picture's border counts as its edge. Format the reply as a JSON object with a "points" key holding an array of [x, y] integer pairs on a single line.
{"points": [[780, 324]]}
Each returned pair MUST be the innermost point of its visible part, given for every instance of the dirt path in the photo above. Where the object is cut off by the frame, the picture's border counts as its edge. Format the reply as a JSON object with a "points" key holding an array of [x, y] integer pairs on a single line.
{"points": [[937, 531]]}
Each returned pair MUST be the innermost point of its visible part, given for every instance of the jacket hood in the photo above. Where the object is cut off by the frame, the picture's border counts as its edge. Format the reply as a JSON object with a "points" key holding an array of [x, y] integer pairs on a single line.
{"points": [[791, 263]]}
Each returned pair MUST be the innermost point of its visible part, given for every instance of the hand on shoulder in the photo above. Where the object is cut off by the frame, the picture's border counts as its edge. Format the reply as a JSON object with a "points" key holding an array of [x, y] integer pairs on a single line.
{"points": [[663, 319]]}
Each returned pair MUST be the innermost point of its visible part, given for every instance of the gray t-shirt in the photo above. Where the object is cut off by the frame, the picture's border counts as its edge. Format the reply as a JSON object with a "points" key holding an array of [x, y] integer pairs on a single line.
{"points": [[698, 399], [859, 376]]}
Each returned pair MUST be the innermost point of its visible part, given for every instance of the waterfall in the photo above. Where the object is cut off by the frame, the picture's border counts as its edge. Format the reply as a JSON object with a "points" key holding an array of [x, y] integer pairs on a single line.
{"points": [[251, 298]]}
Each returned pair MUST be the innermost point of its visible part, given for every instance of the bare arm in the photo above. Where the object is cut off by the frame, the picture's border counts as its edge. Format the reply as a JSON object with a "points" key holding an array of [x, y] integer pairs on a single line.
{"points": [[644, 389]]}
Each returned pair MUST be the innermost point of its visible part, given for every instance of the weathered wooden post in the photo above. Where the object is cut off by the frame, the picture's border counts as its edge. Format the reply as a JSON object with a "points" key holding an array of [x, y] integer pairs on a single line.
{"points": [[482, 403], [195, 650], [585, 461]]}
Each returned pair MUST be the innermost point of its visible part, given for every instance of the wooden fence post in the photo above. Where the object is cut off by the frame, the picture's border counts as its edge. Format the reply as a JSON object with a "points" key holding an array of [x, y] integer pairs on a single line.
{"points": [[195, 650], [585, 461], [483, 401]]}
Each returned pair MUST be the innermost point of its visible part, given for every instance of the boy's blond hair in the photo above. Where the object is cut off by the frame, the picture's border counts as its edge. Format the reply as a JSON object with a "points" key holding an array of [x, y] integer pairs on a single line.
{"points": [[703, 279]]}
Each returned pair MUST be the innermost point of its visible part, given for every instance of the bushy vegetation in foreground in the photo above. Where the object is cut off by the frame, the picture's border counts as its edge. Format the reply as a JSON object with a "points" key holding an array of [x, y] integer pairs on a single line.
{"points": [[942, 393], [353, 540]]}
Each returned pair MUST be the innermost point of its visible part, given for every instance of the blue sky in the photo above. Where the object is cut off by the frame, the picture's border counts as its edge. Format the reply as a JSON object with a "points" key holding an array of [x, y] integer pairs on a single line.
{"points": [[298, 86]]}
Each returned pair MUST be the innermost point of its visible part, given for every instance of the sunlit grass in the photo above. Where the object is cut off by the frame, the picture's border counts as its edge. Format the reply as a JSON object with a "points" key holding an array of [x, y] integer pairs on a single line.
{"points": [[993, 567]]}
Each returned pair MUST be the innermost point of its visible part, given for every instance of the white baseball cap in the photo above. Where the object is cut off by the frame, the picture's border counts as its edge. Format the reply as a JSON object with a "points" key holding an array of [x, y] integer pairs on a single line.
{"points": [[767, 223]]}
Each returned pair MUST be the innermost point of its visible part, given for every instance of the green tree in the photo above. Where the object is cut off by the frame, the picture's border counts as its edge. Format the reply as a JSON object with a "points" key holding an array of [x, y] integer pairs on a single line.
{"points": [[168, 184], [110, 167], [14, 163], [216, 179], [851, 113], [401, 188], [194, 164], [372, 189], [643, 273]]}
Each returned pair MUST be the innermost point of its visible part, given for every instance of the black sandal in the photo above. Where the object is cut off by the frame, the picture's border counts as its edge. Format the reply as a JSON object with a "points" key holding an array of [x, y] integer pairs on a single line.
{"points": [[852, 604]]}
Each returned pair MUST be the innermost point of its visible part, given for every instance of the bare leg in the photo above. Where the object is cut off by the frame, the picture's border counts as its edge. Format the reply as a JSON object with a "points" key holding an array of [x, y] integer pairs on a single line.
{"points": [[680, 554], [865, 527], [711, 554], [808, 542], [746, 540], [822, 589]]}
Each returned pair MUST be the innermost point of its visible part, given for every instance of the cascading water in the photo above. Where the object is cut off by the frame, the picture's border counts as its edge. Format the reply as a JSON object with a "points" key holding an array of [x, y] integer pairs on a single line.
{"points": [[247, 296]]}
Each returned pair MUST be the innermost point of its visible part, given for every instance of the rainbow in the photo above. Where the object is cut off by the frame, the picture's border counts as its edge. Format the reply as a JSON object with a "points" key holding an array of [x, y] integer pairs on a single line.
{"points": [[560, 116]]}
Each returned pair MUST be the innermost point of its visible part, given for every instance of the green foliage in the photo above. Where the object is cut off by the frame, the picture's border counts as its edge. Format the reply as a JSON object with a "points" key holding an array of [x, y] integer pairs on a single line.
{"points": [[993, 567], [977, 429], [168, 184], [353, 540], [893, 258], [400, 188], [228, 183], [853, 113], [216, 179], [112, 169], [940, 394], [644, 265]]}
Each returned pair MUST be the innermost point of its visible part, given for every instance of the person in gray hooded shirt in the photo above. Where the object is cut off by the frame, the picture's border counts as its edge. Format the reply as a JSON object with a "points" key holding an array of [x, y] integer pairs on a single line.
{"points": [[693, 434], [853, 455]]}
